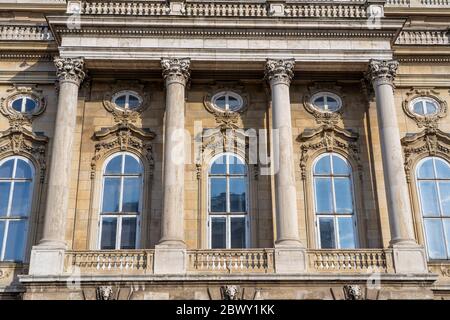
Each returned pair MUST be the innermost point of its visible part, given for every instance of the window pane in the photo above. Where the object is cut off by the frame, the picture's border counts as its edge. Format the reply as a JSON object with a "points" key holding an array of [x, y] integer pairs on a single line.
{"points": [[426, 170], [133, 102], [120, 101], [340, 166], [218, 233], [109, 229], [131, 194], [128, 240], [343, 191], [320, 102], [21, 201], [218, 194], [220, 102], [435, 239], [233, 103], [6, 169], [15, 243], [238, 192], [219, 166], [236, 166], [238, 233], [111, 194], [326, 229], [324, 199], [444, 189], [30, 105], [17, 105], [2, 234], [23, 170], [418, 108], [323, 166], [442, 169], [431, 107], [4, 197], [429, 199], [332, 103], [447, 233], [114, 165], [346, 233], [132, 166]]}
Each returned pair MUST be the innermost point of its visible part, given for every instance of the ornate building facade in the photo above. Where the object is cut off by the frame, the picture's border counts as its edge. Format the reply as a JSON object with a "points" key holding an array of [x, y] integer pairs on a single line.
{"points": [[253, 149]]}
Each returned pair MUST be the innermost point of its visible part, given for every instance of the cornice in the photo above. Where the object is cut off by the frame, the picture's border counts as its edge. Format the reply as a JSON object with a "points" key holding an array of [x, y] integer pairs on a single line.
{"points": [[22, 55], [423, 59]]}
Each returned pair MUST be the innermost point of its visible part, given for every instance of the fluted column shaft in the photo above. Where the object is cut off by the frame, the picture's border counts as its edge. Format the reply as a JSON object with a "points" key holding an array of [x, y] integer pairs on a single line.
{"points": [[70, 74], [176, 74], [279, 74], [382, 74]]}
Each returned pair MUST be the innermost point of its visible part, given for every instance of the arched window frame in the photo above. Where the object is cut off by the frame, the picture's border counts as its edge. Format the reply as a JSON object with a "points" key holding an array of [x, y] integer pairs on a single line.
{"points": [[228, 215], [29, 228], [120, 215], [334, 215], [419, 205]]}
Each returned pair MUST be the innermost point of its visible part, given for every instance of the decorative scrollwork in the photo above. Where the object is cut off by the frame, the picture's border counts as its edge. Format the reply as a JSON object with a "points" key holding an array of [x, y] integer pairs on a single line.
{"points": [[325, 117], [22, 118], [426, 120]]}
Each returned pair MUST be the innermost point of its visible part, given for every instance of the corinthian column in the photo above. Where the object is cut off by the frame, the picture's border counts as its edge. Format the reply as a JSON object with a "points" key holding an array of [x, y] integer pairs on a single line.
{"points": [[408, 256], [169, 258], [279, 74], [46, 256]]}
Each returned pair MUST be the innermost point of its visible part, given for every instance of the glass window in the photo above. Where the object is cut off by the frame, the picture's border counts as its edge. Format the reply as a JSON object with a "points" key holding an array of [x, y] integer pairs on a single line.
{"points": [[228, 208], [424, 106], [227, 101], [16, 190], [326, 102], [128, 100], [24, 104], [121, 203], [433, 185], [334, 205]]}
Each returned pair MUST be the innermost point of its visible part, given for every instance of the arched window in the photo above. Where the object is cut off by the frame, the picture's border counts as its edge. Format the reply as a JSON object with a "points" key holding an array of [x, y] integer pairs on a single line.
{"points": [[433, 183], [16, 193], [334, 202], [228, 202], [121, 203]]}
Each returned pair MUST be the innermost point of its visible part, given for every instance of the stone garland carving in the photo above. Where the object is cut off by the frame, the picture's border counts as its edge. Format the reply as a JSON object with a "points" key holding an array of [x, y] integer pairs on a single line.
{"points": [[123, 137], [330, 138], [352, 292], [226, 119], [126, 115], [382, 71], [279, 71], [325, 117], [230, 292], [18, 140], [19, 118], [70, 69], [429, 142], [176, 70], [428, 120]]}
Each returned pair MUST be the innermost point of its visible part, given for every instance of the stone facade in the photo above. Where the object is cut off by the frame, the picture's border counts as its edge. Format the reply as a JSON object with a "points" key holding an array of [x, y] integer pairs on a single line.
{"points": [[74, 57]]}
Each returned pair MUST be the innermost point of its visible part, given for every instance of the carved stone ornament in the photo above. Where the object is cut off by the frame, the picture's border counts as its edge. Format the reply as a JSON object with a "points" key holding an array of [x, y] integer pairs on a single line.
{"points": [[382, 71], [16, 92], [70, 70], [429, 142], [279, 71], [18, 140], [121, 114], [352, 292], [176, 70], [325, 117], [329, 138], [123, 137], [425, 120], [230, 292], [226, 119], [105, 293]]}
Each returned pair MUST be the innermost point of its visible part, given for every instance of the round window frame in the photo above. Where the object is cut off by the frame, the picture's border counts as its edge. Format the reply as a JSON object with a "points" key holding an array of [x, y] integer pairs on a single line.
{"points": [[317, 95], [120, 93], [424, 98], [229, 93]]}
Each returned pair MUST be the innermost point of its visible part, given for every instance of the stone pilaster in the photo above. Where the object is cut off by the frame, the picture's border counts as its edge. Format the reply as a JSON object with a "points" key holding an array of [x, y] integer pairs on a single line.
{"points": [[290, 254], [408, 256], [48, 256], [170, 255]]}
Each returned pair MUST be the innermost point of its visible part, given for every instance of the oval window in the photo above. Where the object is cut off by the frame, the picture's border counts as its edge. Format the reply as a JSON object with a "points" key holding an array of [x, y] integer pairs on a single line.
{"points": [[127, 100], [326, 102]]}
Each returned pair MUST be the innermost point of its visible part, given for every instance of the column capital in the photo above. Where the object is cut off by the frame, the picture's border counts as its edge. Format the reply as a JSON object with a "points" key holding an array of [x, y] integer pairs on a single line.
{"points": [[382, 71], [176, 70], [279, 71], [70, 69]]}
